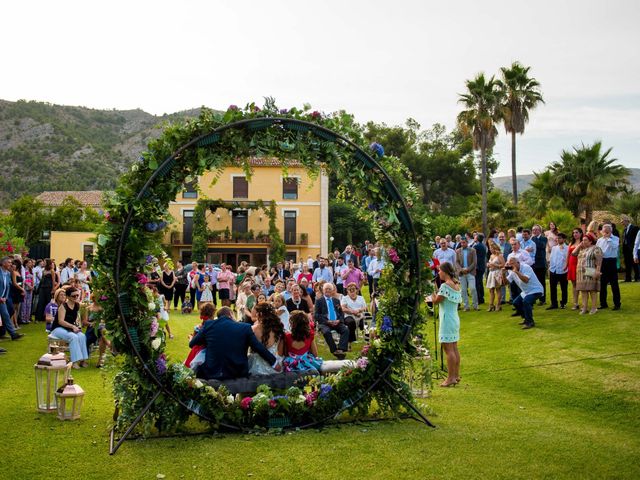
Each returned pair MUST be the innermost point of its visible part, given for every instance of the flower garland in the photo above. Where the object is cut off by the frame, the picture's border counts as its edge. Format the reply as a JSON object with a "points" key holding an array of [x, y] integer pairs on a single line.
{"points": [[141, 202]]}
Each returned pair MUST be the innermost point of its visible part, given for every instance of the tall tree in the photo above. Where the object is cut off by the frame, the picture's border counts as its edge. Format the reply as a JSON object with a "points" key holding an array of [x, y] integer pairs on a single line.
{"points": [[587, 178], [520, 95], [482, 102]]}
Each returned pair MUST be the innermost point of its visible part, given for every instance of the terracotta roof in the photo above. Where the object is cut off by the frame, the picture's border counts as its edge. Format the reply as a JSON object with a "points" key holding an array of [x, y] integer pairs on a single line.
{"points": [[89, 198]]}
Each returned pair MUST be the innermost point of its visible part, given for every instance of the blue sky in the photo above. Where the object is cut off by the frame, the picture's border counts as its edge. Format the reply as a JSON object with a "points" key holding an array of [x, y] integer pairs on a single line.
{"points": [[383, 61]]}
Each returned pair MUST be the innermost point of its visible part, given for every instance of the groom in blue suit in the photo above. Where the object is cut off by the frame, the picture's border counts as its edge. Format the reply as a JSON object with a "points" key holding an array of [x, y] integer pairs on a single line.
{"points": [[227, 342]]}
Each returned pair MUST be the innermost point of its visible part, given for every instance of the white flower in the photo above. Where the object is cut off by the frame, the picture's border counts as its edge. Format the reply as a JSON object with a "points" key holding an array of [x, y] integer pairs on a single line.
{"points": [[300, 399], [156, 343], [230, 399], [198, 383], [377, 342], [152, 306]]}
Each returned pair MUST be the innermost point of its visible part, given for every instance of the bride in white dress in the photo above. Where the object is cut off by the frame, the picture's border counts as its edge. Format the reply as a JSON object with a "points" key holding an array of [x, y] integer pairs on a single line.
{"points": [[270, 331]]}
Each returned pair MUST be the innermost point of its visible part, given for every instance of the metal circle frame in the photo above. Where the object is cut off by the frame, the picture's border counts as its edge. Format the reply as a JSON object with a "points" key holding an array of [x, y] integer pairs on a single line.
{"points": [[261, 123]]}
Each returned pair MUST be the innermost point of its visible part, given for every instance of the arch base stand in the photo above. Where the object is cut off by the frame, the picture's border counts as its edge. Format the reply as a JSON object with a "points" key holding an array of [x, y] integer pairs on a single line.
{"points": [[114, 444]]}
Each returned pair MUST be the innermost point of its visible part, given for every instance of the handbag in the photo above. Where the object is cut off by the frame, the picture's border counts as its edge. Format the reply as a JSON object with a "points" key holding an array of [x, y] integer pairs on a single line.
{"points": [[589, 272]]}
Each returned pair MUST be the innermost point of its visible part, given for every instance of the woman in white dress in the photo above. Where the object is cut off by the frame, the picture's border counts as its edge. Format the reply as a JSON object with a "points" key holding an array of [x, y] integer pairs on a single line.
{"points": [[494, 277], [269, 330], [84, 277], [206, 296]]}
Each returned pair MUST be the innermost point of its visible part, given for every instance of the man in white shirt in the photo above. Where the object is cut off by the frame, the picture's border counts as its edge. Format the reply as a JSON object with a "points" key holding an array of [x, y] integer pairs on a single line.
{"points": [[558, 272], [444, 253], [530, 289], [322, 272], [528, 244], [67, 272], [375, 269], [339, 269], [523, 257], [609, 244]]}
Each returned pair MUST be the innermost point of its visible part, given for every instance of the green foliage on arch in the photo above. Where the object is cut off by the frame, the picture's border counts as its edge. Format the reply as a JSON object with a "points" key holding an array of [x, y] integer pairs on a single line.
{"points": [[183, 152]]}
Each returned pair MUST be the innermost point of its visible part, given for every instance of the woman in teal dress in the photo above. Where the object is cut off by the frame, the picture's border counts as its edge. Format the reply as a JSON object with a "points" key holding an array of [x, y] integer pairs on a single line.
{"points": [[449, 297]]}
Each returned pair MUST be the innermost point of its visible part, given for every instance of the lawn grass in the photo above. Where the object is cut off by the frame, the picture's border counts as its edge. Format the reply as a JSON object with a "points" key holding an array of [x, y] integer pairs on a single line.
{"points": [[542, 403]]}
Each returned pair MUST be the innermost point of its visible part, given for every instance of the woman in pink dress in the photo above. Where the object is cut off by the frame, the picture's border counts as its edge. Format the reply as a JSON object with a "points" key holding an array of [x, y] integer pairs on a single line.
{"points": [[572, 263]]}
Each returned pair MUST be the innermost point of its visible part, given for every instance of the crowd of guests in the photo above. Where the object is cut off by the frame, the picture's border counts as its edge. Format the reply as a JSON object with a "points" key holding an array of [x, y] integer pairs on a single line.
{"points": [[43, 291], [282, 307], [516, 265]]}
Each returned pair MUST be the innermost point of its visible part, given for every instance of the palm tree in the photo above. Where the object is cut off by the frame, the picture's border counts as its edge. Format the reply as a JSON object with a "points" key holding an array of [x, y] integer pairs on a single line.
{"points": [[588, 179], [482, 112], [520, 94]]}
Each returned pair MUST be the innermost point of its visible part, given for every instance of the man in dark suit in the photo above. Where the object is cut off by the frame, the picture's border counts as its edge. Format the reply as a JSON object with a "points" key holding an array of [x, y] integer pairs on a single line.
{"points": [[540, 261], [628, 239], [349, 254], [282, 273], [328, 316], [227, 343], [481, 266]]}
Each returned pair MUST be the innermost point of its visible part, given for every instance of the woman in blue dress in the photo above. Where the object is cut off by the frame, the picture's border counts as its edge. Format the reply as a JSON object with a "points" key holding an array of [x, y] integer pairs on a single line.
{"points": [[449, 297]]}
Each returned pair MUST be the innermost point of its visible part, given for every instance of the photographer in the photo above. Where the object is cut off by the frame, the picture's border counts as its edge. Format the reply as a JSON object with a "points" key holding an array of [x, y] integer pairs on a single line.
{"points": [[531, 289]]}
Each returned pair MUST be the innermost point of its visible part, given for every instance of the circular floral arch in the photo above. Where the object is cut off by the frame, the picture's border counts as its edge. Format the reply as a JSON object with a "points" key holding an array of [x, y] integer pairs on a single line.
{"points": [[168, 393]]}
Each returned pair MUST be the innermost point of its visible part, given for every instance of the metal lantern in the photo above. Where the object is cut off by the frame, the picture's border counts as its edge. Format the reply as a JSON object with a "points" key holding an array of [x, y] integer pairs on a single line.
{"points": [[69, 399], [49, 373], [419, 371]]}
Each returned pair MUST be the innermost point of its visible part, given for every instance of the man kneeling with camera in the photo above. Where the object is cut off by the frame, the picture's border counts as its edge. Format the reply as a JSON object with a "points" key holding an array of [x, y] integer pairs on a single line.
{"points": [[531, 289]]}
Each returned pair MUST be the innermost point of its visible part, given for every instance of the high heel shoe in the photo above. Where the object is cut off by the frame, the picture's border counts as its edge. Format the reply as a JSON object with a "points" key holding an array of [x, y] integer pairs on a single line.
{"points": [[582, 312], [575, 307], [593, 311], [492, 308]]}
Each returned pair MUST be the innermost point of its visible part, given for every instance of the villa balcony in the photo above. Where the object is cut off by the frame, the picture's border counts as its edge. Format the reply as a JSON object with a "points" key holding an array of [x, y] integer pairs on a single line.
{"points": [[179, 238]]}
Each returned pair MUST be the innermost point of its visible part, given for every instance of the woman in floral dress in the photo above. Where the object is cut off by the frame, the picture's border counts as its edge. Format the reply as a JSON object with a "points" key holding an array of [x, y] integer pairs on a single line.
{"points": [[449, 296], [588, 271]]}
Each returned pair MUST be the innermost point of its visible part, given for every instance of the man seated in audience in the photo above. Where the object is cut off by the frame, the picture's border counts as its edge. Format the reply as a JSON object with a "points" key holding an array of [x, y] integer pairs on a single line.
{"points": [[530, 287], [227, 343], [328, 316], [267, 287], [322, 272]]}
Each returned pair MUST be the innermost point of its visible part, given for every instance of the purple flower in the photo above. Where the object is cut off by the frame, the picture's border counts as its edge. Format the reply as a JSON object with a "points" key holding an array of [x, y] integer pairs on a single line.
{"points": [[393, 255], [362, 362], [161, 364], [153, 331], [284, 111], [149, 259], [387, 325], [376, 148], [103, 298], [233, 108], [325, 389]]}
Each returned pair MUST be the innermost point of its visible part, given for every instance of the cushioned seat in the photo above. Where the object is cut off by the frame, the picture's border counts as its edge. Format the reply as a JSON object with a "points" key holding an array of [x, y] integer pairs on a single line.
{"points": [[279, 381]]}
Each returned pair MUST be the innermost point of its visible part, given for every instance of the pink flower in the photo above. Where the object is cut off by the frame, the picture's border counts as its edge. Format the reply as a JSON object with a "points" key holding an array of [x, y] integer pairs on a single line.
{"points": [[153, 331], [245, 403], [315, 114], [273, 403], [142, 278], [393, 255], [365, 349], [362, 363], [309, 398]]}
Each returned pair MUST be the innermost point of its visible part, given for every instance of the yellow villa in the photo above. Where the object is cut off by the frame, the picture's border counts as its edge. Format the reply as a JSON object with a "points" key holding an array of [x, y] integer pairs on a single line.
{"points": [[241, 233]]}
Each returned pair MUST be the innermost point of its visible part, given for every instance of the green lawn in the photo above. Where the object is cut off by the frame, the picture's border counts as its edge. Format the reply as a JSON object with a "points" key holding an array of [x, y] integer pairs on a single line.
{"points": [[559, 401]]}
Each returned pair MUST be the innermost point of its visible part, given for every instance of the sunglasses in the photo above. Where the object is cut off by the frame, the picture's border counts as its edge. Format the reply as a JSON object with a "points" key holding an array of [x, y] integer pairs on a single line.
{"points": [[75, 295]]}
